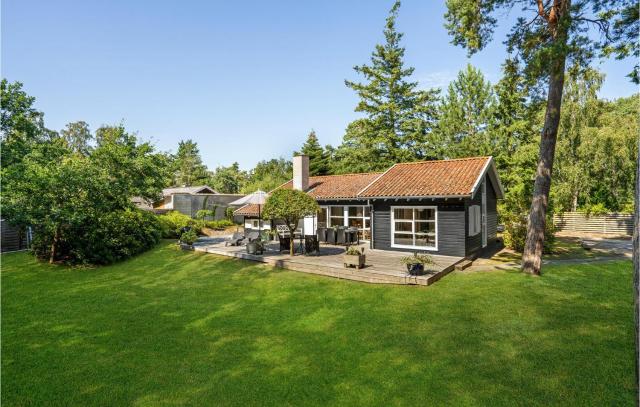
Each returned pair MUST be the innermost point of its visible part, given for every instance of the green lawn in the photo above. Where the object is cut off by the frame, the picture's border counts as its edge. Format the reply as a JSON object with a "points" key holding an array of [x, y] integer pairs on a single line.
{"points": [[172, 327]]}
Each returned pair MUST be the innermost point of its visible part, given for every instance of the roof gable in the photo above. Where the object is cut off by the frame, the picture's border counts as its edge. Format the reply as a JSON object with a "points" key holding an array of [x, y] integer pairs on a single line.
{"points": [[443, 178]]}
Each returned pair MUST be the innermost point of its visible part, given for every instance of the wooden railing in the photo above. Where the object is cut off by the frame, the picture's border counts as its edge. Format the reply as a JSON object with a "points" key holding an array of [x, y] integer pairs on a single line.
{"points": [[609, 224]]}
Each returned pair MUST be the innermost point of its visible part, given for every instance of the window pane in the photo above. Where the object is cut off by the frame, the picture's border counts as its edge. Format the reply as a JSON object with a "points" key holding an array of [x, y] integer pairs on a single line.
{"points": [[403, 227], [403, 239], [355, 211], [426, 240], [403, 213], [355, 222], [337, 211], [425, 227], [367, 212], [367, 224], [425, 214], [336, 221]]}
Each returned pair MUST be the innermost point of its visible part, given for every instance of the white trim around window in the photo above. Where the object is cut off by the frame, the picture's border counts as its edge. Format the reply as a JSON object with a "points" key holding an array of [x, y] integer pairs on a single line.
{"points": [[412, 232]]}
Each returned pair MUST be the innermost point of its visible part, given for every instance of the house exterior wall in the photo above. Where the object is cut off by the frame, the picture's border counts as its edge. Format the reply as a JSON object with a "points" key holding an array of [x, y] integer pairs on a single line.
{"points": [[450, 225], [190, 204], [474, 243]]}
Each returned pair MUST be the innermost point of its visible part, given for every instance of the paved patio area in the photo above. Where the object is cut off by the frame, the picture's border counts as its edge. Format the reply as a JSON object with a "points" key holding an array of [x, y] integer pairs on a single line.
{"points": [[382, 267]]}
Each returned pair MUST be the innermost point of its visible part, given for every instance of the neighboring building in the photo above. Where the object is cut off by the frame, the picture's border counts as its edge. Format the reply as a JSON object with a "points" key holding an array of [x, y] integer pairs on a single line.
{"points": [[13, 238], [446, 207], [189, 200]]}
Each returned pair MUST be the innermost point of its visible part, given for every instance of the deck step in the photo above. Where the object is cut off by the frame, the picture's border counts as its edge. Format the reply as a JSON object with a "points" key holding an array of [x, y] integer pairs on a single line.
{"points": [[463, 264]]}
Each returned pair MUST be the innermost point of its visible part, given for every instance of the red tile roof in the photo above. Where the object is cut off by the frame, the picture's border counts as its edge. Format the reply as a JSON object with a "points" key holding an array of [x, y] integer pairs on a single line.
{"points": [[428, 178], [444, 178]]}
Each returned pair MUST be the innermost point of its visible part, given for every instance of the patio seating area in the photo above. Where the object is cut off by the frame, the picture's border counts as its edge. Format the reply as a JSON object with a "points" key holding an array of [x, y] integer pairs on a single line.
{"points": [[381, 267]]}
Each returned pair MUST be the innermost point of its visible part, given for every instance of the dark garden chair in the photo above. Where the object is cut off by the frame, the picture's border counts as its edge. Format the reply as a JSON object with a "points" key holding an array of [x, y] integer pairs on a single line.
{"points": [[235, 239]]}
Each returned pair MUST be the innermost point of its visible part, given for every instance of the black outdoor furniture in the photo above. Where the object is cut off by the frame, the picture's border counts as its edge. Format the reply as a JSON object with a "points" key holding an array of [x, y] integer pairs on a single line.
{"points": [[311, 244], [255, 247], [331, 236], [235, 239], [321, 234], [340, 236], [351, 236]]}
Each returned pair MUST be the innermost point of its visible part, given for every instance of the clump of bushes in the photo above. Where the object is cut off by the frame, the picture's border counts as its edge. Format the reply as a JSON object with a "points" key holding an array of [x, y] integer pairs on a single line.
{"points": [[219, 224], [173, 222], [105, 239], [189, 237], [515, 231]]}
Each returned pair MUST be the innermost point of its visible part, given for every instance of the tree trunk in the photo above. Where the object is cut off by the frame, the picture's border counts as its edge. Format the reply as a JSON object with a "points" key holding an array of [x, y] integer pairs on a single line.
{"points": [[532, 255], [636, 273], [54, 246]]}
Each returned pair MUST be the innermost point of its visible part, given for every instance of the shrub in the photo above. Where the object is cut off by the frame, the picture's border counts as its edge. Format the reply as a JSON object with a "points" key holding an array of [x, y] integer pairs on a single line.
{"points": [[515, 232], [110, 237], [219, 224], [189, 237], [202, 214], [174, 221], [424, 259], [595, 209], [228, 213]]}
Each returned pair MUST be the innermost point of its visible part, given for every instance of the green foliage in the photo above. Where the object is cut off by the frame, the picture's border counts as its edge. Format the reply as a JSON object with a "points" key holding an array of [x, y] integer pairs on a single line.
{"points": [[354, 251], [466, 116], [268, 175], [416, 258], [202, 214], [110, 237], [399, 117], [318, 157], [228, 214], [228, 180], [188, 168], [289, 205], [77, 137], [173, 222], [219, 224], [189, 237], [595, 209]]}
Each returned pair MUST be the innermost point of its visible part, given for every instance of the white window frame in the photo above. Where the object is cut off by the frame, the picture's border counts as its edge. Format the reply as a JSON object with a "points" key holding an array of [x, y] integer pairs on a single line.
{"points": [[345, 215], [413, 227]]}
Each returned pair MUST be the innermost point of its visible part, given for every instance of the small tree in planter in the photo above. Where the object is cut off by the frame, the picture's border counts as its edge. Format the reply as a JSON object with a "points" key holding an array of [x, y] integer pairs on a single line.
{"points": [[290, 205], [415, 264], [188, 238], [354, 257]]}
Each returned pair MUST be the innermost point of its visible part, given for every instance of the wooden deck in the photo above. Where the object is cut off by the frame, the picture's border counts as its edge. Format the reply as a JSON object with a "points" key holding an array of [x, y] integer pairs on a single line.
{"points": [[382, 267]]}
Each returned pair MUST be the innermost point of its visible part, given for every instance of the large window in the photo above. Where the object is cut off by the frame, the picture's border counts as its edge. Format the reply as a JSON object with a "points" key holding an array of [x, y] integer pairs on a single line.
{"points": [[352, 216], [414, 227]]}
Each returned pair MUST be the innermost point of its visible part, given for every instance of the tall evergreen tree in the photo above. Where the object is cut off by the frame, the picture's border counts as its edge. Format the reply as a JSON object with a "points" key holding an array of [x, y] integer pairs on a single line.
{"points": [[228, 180], [466, 115], [399, 117], [318, 158], [188, 167]]}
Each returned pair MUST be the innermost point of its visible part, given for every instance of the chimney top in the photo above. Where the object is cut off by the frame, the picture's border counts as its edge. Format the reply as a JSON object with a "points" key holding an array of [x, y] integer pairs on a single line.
{"points": [[301, 172]]}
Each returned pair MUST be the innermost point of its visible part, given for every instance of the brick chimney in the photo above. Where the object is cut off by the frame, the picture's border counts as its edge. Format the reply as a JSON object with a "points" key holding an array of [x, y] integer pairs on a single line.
{"points": [[301, 172]]}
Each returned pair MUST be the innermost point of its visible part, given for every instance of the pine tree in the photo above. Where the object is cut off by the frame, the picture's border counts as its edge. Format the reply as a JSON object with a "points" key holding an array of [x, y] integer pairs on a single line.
{"points": [[318, 158], [466, 115], [399, 117], [188, 167]]}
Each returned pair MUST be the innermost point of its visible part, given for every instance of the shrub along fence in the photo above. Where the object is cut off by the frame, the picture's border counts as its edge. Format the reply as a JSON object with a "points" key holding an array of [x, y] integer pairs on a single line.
{"points": [[609, 224]]}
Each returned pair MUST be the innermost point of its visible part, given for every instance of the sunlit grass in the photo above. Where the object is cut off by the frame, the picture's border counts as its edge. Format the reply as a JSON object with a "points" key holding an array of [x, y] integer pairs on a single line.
{"points": [[172, 327]]}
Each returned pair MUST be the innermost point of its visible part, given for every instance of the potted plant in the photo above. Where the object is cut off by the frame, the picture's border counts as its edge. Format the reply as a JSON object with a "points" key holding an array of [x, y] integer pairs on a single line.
{"points": [[354, 257], [415, 264], [187, 239], [255, 247]]}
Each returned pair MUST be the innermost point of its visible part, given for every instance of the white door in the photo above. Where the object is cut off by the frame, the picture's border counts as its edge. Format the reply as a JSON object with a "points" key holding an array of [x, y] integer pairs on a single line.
{"points": [[484, 213]]}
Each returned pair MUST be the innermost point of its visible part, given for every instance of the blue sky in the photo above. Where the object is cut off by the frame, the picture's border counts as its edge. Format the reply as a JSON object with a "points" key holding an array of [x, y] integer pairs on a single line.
{"points": [[246, 80]]}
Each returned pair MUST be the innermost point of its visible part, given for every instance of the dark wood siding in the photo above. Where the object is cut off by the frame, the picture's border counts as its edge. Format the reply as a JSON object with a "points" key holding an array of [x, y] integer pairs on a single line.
{"points": [[11, 239], [474, 243], [451, 225], [492, 214]]}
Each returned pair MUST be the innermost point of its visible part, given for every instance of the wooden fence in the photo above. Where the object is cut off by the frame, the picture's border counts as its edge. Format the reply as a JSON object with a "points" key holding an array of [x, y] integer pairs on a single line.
{"points": [[609, 224]]}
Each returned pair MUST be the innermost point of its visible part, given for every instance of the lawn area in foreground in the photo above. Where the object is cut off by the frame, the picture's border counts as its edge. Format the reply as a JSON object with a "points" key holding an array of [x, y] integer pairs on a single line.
{"points": [[172, 327]]}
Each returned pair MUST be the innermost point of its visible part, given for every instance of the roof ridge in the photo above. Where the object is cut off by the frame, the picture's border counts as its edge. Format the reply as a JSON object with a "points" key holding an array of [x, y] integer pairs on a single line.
{"points": [[483, 157], [350, 173]]}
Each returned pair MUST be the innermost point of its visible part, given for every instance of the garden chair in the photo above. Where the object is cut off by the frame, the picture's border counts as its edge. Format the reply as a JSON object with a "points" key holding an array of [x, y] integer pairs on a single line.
{"points": [[235, 239]]}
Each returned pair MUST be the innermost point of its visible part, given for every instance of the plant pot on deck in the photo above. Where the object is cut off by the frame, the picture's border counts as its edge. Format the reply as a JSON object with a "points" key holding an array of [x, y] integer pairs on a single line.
{"points": [[415, 269], [356, 260], [185, 246], [255, 248]]}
